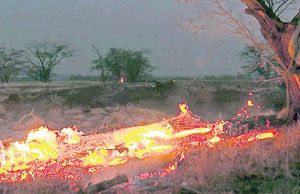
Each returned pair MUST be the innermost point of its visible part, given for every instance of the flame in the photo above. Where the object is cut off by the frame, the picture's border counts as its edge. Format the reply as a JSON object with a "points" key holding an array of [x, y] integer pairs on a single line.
{"points": [[183, 108], [97, 157], [244, 139], [214, 140], [40, 145], [182, 156], [200, 130], [250, 103], [41, 154], [266, 135], [71, 135]]}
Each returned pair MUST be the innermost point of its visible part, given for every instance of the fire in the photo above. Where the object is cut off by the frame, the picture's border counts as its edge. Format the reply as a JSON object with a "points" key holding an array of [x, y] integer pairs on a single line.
{"points": [[54, 153], [71, 135], [97, 157], [250, 103], [122, 80], [266, 135], [40, 145], [182, 156], [245, 139], [183, 108], [214, 140]]}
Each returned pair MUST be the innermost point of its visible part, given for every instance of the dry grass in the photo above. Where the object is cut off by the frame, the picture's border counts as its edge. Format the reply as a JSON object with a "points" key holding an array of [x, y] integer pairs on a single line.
{"points": [[37, 187], [263, 167], [223, 169]]}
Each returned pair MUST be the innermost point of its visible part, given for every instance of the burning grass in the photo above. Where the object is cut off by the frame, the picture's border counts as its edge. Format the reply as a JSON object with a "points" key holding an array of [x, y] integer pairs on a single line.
{"points": [[262, 167], [68, 155]]}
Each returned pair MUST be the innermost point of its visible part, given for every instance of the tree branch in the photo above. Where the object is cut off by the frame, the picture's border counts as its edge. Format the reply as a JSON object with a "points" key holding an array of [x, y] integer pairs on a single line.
{"points": [[97, 50], [265, 18]]}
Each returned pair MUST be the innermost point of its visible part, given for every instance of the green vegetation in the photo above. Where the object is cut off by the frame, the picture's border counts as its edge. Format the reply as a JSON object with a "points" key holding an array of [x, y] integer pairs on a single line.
{"points": [[226, 95], [83, 77], [88, 97], [265, 184], [101, 65], [11, 63], [274, 179], [43, 57], [257, 65], [13, 98], [122, 63], [161, 91], [218, 78], [164, 88]]}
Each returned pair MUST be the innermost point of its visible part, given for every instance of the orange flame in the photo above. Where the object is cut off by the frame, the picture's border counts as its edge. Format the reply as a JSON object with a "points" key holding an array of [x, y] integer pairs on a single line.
{"points": [[183, 108], [71, 135], [40, 145], [41, 150], [250, 103]]}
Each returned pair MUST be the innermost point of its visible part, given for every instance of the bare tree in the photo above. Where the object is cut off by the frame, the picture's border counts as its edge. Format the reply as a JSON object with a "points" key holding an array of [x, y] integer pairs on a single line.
{"points": [[11, 63], [281, 41], [43, 57], [100, 65]]}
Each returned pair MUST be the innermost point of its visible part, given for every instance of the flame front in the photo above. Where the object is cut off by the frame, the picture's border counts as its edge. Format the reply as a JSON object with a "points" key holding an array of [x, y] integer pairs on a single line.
{"points": [[40, 145], [42, 152]]}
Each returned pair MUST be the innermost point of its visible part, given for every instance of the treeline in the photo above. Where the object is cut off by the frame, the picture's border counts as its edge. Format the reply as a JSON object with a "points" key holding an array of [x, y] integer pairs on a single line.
{"points": [[38, 61]]}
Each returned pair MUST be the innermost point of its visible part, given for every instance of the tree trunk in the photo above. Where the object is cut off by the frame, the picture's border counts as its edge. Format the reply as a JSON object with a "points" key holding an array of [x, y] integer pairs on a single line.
{"points": [[294, 90], [294, 87], [284, 39]]}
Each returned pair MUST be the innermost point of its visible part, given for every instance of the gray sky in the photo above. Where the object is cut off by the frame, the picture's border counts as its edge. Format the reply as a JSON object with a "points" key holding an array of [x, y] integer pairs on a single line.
{"points": [[153, 25]]}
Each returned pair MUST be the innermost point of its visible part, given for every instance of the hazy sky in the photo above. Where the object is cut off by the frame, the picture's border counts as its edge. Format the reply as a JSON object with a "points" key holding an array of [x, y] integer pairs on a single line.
{"points": [[153, 25]]}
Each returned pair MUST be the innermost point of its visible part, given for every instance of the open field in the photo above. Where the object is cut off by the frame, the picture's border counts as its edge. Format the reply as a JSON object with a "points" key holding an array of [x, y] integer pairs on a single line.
{"points": [[94, 108], [209, 98], [89, 105]]}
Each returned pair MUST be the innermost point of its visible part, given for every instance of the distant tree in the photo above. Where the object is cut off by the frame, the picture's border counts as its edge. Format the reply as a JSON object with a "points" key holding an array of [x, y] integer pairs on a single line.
{"points": [[133, 65], [102, 66], [11, 63], [43, 57]]}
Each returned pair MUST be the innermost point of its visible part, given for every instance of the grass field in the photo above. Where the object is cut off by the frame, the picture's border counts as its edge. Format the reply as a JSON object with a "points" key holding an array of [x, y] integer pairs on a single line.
{"points": [[265, 167]]}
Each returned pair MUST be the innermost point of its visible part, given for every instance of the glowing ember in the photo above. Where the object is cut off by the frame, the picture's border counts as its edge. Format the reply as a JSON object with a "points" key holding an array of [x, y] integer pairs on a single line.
{"points": [[245, 139], [122, 80], [55, 154], [250, 103]]}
